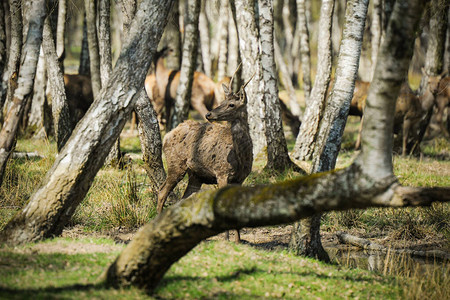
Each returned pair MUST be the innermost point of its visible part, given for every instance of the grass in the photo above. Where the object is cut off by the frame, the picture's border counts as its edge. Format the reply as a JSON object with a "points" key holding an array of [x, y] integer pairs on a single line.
{"points": [[213, 270], [122, 199]]}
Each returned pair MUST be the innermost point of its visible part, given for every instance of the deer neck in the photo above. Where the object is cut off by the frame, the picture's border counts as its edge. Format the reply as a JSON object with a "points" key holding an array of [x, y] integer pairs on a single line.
{"points": [[242, 141], [161, 70]]}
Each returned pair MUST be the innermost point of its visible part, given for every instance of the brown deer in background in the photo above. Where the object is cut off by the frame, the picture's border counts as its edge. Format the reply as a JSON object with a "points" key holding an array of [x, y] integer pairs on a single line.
{"points": [[442, 103], [79, 95], [210, 153], [161, 88]]}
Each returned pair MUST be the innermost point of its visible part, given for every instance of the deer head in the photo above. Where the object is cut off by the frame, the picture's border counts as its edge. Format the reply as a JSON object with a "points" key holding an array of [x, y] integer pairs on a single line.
{"points": [[233, 104], [433, 81]]}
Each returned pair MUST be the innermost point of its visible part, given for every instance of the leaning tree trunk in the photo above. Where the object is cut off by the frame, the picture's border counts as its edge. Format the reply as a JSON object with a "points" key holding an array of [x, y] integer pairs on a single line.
{"points": [[151, 143], [190, 48], [181, 227], [306, 138], [250, 55], [94, 58], [60, 107], [304, 48], [277, 152], [9, 78], [328, 141], [67, 182], [25, 83]]}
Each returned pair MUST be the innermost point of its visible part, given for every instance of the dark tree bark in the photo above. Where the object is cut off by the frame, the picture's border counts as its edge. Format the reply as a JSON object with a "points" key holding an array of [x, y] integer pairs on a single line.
{"points": [[60, 107], [24, 83], [151, 143], [67, 182], [94, 56], [177, 230], [188, 63], [304, 144]]}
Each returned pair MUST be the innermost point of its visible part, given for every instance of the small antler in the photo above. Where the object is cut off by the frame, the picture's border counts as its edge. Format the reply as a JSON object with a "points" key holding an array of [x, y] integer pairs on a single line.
{"points": [[248, 81]]}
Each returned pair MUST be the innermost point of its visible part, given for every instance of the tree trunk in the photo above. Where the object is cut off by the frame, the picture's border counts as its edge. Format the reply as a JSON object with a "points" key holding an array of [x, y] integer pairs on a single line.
{"points": [[375, 30], [223, 40], [250, 55], [447, 45], [25, 83], [277, 152], [434, 62], [304, 144], [60, 30], [203, 28], [104, 38], [304, 48], [36, 119], [94, 57], [84, 68], [15, 47], [60, 107], [172, 38], [3, 49], [190, 48], [151, 143], [233, 46], [67, 182], [287, 82]]}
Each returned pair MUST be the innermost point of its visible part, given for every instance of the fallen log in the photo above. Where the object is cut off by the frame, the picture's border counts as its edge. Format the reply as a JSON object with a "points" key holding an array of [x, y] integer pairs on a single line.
{"points": [[366, 244]]}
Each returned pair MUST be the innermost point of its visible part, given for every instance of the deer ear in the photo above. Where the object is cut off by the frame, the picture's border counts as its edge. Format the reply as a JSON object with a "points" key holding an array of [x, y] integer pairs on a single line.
{"points": [[225, 89]]}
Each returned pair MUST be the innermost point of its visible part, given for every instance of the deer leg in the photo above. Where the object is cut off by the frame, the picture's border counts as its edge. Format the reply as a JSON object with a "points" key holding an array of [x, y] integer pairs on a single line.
{"points": [[168, 185], [406, 127], [358, 139], [194, 185]]}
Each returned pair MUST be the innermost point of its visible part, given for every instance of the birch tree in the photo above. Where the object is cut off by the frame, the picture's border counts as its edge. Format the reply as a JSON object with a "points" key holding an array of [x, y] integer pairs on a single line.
{"points": [[304, 143], [303, 32], [188, 62], [60, 107], [94, 58]]}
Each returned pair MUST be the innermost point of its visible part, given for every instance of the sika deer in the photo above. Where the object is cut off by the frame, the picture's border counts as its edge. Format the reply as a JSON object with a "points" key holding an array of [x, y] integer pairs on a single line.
{"points": [[442, 102], [210, 152]]}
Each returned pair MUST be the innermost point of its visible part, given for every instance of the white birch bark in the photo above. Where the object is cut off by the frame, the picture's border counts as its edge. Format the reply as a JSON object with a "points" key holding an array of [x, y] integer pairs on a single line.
{"points": [[304, 144]]}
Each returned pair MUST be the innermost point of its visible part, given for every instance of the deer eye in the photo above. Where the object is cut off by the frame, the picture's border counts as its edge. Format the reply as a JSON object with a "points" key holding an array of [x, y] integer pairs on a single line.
{"points": [[231, 105]]}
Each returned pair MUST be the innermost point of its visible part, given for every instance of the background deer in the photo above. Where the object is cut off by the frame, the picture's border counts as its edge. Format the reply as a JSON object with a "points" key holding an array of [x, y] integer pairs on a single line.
{"points": [[210, 152], [161, 88]]}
